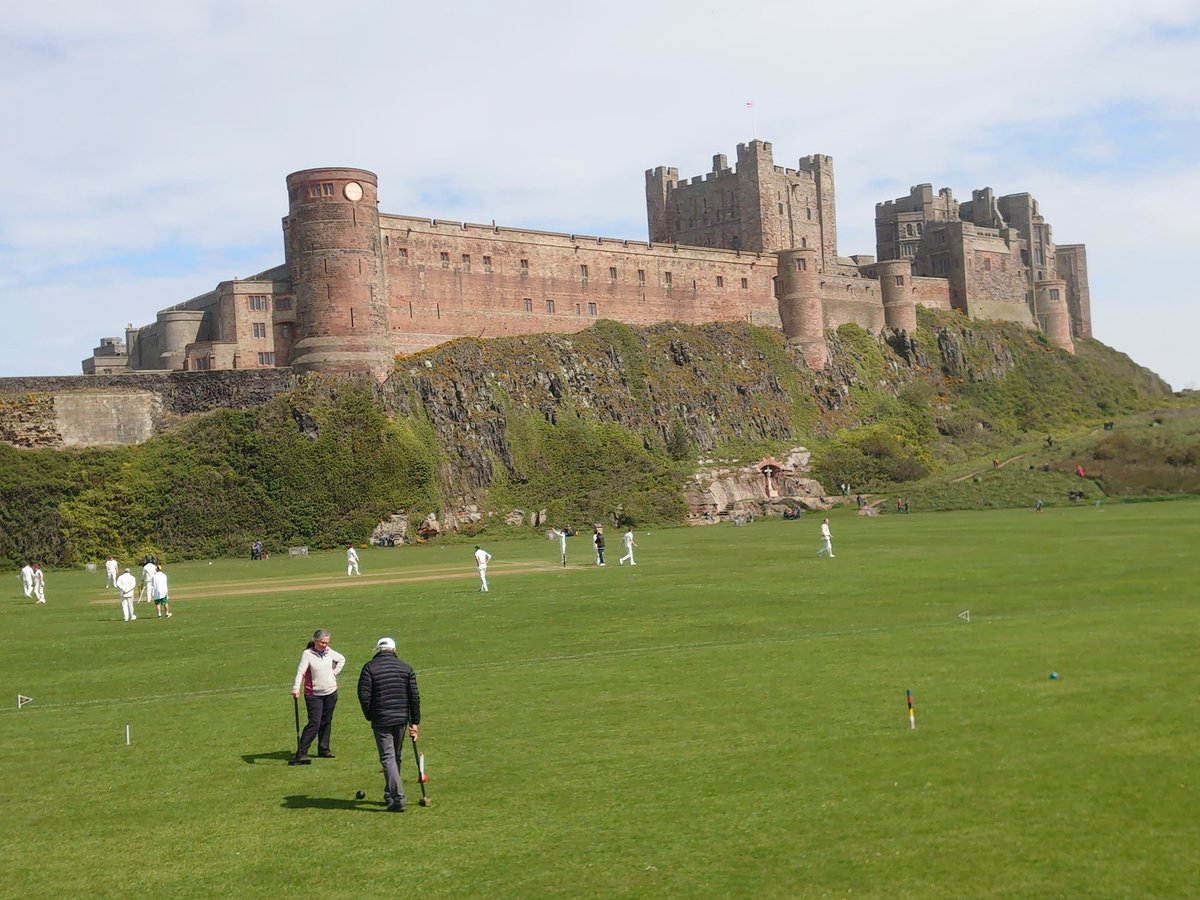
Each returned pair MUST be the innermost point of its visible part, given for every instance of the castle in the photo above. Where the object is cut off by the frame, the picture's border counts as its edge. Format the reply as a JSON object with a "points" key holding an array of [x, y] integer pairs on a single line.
{"points": [[756, 243]]}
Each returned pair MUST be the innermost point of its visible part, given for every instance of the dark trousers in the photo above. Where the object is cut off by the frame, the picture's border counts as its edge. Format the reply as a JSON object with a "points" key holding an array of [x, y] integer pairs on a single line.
{"points": [[389, 740], [320, 723]]}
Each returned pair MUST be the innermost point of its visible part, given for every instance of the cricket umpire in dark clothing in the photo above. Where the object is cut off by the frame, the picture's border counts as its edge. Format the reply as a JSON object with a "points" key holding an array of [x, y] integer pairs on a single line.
{"points": [[387, 692]]}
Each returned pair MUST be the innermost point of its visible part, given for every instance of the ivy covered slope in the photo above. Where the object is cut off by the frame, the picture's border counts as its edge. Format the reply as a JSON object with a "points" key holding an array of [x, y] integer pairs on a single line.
{"points": [[585, 426]]}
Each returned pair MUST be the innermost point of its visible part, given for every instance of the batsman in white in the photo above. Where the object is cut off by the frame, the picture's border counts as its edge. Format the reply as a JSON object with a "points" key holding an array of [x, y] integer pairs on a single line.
{"points": [[561, 534], [147, 591]]}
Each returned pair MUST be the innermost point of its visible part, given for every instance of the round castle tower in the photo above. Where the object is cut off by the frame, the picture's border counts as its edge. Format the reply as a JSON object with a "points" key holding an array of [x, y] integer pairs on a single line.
{"points": [[895, 283], [334, 258], [1050, 309], [800, 306]]}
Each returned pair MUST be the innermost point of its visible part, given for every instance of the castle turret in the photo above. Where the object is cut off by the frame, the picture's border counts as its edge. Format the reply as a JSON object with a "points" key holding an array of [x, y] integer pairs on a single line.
{"points": [[659, 184], [800, 306], [334, 257], [1050, 299], [895, 283]]}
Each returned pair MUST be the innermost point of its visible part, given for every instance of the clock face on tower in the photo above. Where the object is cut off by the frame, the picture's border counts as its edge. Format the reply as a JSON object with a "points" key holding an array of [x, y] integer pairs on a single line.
{"points": [[353, 191]]}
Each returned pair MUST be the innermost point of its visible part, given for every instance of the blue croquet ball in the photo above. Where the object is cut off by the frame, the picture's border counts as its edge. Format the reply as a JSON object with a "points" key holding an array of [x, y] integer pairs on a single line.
{"points": [[1054, 676]]}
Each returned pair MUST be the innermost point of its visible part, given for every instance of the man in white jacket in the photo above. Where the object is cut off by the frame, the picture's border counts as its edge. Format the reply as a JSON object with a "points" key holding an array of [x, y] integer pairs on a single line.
{"points": [[630, 543], [27, 580], [317, 675], [352, 561], [126, 584], [39, 584]]}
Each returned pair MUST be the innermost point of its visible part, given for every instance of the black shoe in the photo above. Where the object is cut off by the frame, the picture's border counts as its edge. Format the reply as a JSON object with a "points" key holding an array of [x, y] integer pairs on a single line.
{"points": [[300, 761], [326, 756], [397, 807]]}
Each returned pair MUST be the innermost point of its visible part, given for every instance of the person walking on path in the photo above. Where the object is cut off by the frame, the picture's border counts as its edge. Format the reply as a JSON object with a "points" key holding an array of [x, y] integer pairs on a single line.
{"points": [[390, 701], [147, 591], [629, 545], [39, 584], [317, 676], [352, 561], [827, 538], [561, 534], [598, 543], [27, 580], [126, 584], [482, 558], [158, 593], [110, 573]]}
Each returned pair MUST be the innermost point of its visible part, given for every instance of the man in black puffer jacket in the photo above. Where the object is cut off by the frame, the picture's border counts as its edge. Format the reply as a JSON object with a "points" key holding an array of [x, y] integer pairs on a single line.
{"points": [[387, 692]]}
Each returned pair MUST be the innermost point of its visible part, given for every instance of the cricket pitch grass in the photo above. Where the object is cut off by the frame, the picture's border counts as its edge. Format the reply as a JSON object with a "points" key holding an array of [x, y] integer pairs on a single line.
{"points": [[726, 719]]}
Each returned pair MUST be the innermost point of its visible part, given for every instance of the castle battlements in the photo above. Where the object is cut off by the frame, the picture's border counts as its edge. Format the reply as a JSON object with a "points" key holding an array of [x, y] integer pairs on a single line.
{"points": [[754, 242]]}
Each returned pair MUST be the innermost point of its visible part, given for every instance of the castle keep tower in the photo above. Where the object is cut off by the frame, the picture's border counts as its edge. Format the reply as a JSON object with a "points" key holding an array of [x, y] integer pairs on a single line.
{"points": [[334, 259]]}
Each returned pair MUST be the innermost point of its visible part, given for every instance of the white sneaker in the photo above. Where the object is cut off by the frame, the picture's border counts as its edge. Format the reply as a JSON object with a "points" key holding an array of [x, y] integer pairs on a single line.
{"points": [[168, 615], [133, 618]]}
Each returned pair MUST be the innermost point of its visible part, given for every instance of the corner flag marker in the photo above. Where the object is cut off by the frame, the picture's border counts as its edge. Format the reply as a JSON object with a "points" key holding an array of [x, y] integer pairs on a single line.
{"points": [[965, 615], [22, 700]]}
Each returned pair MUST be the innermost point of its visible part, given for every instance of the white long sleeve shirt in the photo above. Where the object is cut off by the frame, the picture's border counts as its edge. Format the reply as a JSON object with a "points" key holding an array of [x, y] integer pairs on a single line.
{"points": [[318, 671], [126, 584]]}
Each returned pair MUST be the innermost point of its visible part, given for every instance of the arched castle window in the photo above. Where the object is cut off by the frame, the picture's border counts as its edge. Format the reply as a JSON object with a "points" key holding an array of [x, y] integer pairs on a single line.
{"points": [[908, 230]]}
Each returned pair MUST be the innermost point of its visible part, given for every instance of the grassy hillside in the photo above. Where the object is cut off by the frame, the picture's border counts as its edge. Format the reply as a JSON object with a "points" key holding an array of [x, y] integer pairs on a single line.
{"points": [[605, 425]]}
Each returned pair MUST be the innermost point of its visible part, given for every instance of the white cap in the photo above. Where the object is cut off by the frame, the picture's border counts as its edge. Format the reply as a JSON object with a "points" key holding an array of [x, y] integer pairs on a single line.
{"points": [[385, 644]]}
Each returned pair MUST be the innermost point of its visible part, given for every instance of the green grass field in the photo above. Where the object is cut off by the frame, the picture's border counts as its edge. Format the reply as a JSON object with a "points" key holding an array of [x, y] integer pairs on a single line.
{"points": [[728, 718]]}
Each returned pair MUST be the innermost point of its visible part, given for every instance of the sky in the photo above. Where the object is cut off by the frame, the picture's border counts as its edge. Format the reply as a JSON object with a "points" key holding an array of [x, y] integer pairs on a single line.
{"points": [[147, 144]]}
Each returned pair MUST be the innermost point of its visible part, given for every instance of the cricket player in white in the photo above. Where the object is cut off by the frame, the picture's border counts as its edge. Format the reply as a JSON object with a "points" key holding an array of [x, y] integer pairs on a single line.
{"points": [[481, 559], [110, 573], [352, 561], [827, 538], [39, 584], [629, 545], [147, 591], [126, 584], [561, 534], [158, 590], [27, 579]]}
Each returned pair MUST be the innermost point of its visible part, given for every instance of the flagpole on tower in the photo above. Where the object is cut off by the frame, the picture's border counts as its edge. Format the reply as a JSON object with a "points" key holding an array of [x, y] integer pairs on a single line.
{"points": [[753, 118]]}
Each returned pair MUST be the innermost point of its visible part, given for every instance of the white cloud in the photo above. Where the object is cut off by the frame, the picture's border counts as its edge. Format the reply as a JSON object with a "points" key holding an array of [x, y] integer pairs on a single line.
{"points": [[149, 143]]}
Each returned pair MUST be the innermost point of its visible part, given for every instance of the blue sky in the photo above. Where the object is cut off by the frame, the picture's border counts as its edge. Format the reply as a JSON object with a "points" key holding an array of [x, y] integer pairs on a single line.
{"points": [[148, 144]]}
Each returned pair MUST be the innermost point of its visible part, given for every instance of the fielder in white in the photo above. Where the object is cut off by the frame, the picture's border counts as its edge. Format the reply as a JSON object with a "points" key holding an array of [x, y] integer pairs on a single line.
{"points": [[827, 538], [158, 588], [39, 584], [352, 561], [110, 573], [629, 545], [27, 580], [147, 591], [561, 534], [126, 584], [482, 557]]}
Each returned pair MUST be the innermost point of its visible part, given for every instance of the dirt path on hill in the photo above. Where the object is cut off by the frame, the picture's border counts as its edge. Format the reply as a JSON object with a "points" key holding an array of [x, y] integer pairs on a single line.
{"points": [[298, 583], [977, 471]]}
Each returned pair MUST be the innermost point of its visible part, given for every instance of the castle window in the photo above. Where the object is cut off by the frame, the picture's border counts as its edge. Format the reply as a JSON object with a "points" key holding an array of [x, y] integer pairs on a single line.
{"points": [[445, 258], [1040, 255], [550, 307], [908, 229], [524, 267], [745, 284], [1053, 293], [642, 277], [387, 241], [900, 280], [260, 329], [667, 280], [583, 273], [466, 262], [578, 310], [802, 265], [528, 304], [1041, 275], [402, 254], [987, 264], [808, 212], [487, 264], [257, 301], [286, 330], [283, 304], [201, 363], [612, 274], [327, 189], [266, 359], [314, 190], [804, 242], [591, 309], [940, 237], [720, 281]]}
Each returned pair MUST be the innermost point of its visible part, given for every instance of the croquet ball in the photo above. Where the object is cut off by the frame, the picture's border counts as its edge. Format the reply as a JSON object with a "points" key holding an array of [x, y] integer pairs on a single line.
{"points": [[1054, 676], [360, 794]]}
